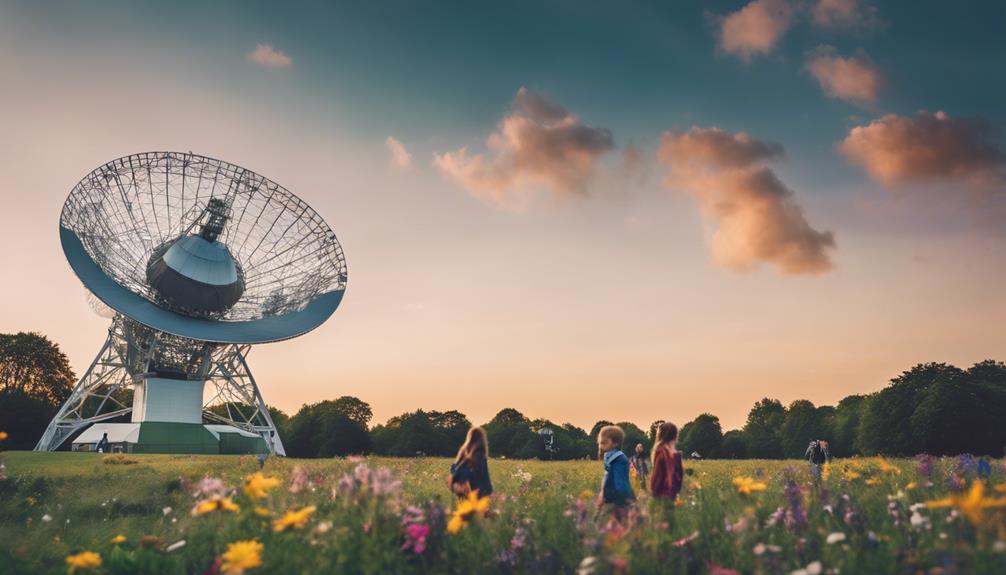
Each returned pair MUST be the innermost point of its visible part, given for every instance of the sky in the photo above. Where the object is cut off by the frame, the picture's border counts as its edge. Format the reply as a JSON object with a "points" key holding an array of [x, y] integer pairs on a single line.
{"points": [[582, 210]]}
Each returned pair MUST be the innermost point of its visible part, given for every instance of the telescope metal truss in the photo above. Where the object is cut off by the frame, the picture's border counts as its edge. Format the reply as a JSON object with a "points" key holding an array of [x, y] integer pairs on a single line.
{"points": [[105, 390]]}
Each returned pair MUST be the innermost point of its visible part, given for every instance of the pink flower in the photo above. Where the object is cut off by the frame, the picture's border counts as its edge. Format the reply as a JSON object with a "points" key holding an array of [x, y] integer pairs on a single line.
{"points": [[210, 486], [298, 479], [415, 537]]}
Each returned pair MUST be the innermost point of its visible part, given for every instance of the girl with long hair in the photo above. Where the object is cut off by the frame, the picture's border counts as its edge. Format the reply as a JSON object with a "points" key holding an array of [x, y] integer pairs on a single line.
{"points": [[668, 472], [470, 470]]}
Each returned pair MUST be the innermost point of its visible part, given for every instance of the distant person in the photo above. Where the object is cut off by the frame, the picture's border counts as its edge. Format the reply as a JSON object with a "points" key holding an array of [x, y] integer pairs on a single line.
{"points": [[817, 455], [103, 444], [668, 472], [641, 464], [615, 488], [470, 470]]}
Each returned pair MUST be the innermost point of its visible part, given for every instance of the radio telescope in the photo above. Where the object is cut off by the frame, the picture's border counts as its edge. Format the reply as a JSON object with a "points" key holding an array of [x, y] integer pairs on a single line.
{"points": [[199, 259]]}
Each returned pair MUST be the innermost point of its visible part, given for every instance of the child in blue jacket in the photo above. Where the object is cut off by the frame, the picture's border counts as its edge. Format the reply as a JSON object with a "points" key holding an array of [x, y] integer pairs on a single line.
{"points": [[615, 488]]}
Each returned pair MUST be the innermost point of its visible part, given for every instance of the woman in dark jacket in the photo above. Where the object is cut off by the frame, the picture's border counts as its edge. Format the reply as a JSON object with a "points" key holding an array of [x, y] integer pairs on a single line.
{"points": [[668, 473], [470, 471]]}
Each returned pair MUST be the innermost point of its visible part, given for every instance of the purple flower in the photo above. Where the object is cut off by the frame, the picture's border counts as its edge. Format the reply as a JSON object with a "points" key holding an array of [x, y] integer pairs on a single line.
{"points": [[984, 468], [796, 515], [362, 473], [383, 482], [925, 464], [966, 463]]}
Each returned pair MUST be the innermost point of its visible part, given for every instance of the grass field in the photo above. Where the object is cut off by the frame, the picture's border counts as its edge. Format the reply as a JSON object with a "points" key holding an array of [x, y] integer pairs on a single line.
{"points": [[863, 517]]}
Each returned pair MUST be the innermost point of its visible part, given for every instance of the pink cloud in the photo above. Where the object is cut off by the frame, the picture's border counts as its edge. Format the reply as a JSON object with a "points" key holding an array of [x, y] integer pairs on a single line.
{"points": [[854, 79], [537, 145], [842, 13], [267, 56], [756, 28], [400, 156], [896, 150], [757, 219]]}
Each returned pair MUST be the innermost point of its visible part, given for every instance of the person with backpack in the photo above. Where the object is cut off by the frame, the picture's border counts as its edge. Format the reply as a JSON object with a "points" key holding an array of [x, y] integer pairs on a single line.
{"points": [[817, 455], [470, 470]]}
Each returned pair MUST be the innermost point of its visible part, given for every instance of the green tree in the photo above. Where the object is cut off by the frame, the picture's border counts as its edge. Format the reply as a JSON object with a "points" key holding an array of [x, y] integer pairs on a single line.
{"points": [[886, 425], [762, 429], [801, 425], [843, 441], [597, 428], [329, 428], [734, 446], [35, 380], [653, 429], [703, 435], [633, 436]]}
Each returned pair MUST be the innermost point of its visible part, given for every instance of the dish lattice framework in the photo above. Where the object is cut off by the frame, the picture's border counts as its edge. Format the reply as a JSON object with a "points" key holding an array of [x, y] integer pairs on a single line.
{"points": [[125, 209]]}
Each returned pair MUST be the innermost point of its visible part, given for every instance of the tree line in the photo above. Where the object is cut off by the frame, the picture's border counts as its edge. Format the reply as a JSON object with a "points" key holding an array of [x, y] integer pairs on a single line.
{"points": [[934, 408]]}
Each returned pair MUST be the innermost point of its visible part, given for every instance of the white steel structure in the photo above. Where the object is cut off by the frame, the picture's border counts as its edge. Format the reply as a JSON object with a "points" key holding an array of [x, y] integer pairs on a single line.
{"points": [[199, 259]]}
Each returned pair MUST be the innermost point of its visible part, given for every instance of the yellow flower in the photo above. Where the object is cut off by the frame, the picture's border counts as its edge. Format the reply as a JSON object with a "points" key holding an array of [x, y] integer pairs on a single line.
{"points": [[118, 539], [3, 435], [296, 519], [888, 468], [240, 556], [747, 485], [467, 508], [826, 471], [586, 494], [872, 481], [257, 486], [262, 511], [850, 475], [1001, 488], [911, 485], [971, 504], [83, 560], [215, 503], [693, 484]]}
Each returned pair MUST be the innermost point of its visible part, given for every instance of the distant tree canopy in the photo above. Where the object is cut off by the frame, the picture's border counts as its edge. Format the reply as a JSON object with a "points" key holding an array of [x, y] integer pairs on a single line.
{"points": [[426, 432], [935, 408], [35, 379], [330, 428]]}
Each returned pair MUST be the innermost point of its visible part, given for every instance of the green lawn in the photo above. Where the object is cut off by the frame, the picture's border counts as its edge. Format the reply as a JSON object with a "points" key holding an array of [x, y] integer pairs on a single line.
{"points": [[58, 504]]}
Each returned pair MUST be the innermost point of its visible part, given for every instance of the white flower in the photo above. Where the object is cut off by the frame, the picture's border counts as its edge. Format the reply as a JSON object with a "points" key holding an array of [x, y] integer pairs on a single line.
{"points": [[176, 545], [814, 568], [46, 518], [166, 510], [587, 566], [999, 546], [835, 537], [919, 521]]}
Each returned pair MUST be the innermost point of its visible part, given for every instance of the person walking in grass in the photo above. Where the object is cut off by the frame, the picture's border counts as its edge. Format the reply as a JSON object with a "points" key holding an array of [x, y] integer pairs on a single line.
{"points": [[615, 488], [668, 472], [470, 470], [817, 455], [641, 465]]}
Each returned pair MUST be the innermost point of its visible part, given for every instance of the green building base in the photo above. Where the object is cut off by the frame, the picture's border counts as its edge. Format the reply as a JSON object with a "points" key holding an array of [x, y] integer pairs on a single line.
{"points": [[166, 437]]}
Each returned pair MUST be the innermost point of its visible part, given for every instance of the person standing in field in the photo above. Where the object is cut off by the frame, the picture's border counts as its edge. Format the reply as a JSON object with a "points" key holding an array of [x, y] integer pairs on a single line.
{"points": [[668, 472], [641, 465], [817, 455], [470, 470], [615, 488]]}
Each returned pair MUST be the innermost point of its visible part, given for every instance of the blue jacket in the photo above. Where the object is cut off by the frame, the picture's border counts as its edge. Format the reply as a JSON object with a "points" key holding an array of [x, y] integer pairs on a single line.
{"points": [[615, 485]]}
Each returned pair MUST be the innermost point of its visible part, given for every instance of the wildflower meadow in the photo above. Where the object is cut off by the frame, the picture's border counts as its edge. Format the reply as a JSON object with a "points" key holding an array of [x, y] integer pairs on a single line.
{"points": [[85, 513]]}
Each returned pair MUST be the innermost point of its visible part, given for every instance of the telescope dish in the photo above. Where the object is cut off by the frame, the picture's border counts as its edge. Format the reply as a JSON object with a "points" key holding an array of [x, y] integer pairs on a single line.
{"points": [[193, 259], [257, 263]]}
